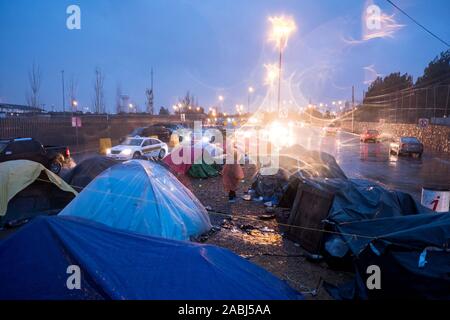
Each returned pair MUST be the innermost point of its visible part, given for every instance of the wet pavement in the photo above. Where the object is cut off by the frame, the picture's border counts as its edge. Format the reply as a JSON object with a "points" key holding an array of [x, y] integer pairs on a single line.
{"points": [[372, 161]]}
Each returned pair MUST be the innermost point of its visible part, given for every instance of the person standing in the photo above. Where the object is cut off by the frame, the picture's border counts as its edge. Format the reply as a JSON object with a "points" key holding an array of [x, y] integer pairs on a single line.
{"points": [[232, 174]]}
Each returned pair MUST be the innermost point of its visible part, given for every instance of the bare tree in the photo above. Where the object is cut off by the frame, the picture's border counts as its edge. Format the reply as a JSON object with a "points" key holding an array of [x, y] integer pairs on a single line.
{"points": [[118, 98], [34, 79], [99, 103]]}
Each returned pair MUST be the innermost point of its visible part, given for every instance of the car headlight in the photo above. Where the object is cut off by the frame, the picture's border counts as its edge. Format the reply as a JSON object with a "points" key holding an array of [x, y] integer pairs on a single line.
{"points": [[108, 151], [126, 152]]}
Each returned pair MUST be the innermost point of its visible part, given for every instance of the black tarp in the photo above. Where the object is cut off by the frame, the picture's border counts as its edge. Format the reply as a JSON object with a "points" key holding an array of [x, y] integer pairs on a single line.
{"points": [[86, 171], [412, 252], [295, 163]]}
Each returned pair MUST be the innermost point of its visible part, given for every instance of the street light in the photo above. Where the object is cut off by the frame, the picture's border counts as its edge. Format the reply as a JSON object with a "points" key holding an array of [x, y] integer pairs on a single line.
{"points": [[282, 27], [74, 106], [221, 98]]}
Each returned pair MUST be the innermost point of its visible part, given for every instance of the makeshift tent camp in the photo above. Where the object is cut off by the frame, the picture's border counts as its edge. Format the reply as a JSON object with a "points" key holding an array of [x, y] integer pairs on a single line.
{"points": [[86, 171], [116, 264], [143, 197], [28, 189]]}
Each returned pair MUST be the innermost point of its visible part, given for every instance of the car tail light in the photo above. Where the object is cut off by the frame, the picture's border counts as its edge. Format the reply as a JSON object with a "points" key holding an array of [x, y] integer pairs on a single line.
{"points": [[67, 153]]}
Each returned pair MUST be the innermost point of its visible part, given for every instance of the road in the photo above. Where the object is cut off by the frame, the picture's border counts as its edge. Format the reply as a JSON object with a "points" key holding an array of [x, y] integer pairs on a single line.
{"points": [[372, 161]]}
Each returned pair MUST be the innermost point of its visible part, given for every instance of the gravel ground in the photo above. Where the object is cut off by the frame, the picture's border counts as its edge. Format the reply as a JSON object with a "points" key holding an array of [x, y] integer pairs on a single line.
{"points": [[261, 242]]}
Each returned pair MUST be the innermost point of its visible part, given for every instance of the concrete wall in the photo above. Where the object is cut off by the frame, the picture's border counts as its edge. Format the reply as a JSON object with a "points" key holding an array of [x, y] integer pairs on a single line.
{"points": [[434, 137]]}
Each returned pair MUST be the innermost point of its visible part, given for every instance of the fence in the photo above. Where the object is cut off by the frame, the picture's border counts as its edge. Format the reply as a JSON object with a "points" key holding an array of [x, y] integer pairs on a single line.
{"points": [[58, 129], [406, 106]]}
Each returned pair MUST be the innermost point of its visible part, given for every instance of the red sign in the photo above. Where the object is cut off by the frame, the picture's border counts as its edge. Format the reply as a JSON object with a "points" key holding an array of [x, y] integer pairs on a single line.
{"points": [[76, 122]]}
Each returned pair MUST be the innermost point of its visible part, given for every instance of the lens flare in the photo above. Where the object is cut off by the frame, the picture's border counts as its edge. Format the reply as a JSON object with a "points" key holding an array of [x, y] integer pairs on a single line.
{"points": [[281, 28]]}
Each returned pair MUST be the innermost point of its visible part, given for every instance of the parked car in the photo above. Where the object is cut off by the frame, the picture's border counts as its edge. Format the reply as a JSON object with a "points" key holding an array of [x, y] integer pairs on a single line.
{"points": [[161, 132], [172, 127], [136, 147], [370, 135], [331, 130], [406, 146], [51, 157]]}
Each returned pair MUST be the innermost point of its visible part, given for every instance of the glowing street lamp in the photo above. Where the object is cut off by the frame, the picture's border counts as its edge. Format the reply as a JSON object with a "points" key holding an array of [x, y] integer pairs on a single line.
{"points": [[221, 98], [282, 28]]}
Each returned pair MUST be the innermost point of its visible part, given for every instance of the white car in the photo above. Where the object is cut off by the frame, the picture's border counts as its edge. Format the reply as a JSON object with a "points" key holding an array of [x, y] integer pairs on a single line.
{"points": [[136, 147]]}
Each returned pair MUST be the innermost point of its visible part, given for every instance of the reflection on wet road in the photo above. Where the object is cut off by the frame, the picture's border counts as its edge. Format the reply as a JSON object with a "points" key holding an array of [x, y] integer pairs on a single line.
{"points": [[372, 161]]}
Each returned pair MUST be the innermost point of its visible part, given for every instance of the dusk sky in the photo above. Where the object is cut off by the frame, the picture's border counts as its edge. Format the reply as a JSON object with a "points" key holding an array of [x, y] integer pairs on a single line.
{"points": [[210, 47]]}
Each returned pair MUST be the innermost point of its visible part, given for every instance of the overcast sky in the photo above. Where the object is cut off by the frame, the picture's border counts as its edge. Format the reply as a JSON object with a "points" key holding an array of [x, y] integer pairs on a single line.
{"points": [[210, 47]]}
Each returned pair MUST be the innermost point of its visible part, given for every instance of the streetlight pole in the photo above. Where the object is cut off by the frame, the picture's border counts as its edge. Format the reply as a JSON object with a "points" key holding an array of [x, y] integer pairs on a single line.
{"points": [[74, 105], [63, 92], [282, 27], [353, 109], [279, 76]]}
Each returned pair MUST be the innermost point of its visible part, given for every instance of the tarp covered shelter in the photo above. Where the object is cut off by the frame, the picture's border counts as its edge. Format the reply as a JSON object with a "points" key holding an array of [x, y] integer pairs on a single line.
{"points": [[376, 226], [295, 163], [143, 197], [28, 189], [86, 171], [115, 264], [412, 252]]}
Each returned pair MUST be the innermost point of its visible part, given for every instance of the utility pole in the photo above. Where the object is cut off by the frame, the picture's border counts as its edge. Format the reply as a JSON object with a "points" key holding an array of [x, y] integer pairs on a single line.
{"points": [[353, 109], [151, 88], [149, 94], [63, 92], [279, 78]]}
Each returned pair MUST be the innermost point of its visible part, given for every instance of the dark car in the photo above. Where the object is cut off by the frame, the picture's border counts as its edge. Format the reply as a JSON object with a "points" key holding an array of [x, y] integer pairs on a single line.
{"points": [[51, 157], [161, 132], [406, 146]]}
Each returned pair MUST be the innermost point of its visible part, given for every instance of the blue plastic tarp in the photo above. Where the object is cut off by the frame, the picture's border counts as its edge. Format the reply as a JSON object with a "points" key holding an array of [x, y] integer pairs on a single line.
{"points": [[143, 197], [116, 264]]}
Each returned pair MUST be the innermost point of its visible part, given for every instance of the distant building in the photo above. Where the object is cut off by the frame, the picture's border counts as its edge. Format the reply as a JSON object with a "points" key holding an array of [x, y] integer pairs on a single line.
{"points": [[7, 109]]}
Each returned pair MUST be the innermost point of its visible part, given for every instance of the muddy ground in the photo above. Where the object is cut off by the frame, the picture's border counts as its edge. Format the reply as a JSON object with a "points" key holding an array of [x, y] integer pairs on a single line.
{"points": [[261, 241]]}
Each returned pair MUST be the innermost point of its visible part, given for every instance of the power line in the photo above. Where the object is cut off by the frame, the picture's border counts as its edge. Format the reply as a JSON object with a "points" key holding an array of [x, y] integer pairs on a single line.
{"points": [[418, 23]]}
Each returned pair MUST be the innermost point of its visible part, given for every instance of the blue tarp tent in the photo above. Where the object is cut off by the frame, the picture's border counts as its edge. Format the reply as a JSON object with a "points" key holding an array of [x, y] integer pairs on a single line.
{"points": [[117, 264], [143, 197]]}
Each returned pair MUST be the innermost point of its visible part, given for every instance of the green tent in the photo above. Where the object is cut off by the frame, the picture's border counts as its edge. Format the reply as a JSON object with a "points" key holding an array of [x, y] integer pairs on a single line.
{"points": [[202, 170]]}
